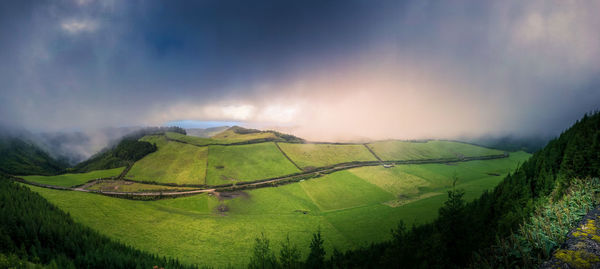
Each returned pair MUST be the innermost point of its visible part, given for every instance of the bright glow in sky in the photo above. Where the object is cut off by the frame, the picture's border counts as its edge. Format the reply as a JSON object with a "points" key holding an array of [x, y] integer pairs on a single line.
{"points": [[323, 70]]}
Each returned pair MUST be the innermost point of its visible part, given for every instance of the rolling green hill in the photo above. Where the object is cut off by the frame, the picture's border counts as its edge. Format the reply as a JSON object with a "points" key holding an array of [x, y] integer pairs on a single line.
{"points": [[173, 162], [123, 154], [205, 132], [432, 149], [350, 207], [228, 164], [459, 204], [319, 155]]}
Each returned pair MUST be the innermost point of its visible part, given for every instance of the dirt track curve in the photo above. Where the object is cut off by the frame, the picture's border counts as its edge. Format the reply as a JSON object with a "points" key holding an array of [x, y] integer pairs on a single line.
{"points": [[254, 184]]}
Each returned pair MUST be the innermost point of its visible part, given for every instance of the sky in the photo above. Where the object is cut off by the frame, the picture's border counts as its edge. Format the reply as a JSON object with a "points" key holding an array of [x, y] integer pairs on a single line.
{"points": [[323, 70]]}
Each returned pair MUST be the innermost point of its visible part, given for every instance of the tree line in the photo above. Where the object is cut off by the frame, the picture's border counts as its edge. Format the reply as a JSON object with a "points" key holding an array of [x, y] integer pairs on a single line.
{"points": [[34, 231]]}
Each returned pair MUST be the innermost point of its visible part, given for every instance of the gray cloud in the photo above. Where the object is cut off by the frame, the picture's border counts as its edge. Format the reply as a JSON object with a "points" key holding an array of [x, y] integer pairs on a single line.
{"points": [[321, 69]]}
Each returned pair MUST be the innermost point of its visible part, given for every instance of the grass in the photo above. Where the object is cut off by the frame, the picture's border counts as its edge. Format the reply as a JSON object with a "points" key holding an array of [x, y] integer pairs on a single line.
{"points": [[228, 164], [188, 228], [158, 140], [394, 150], [230, 136], [194, 140], [68, 180], [129, 186], [173, 162], [349, 207], [343, 190], [393, 180], [225, 137], [318, 155]]}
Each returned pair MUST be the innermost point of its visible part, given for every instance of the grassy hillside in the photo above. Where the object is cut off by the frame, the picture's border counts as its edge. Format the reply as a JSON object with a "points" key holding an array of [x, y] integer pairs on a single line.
{"points": [[125, 153], [237, 134], [433, 149], [68, 180], [318, 155], [129, 186], [343, 190], [205, 132], [173, 162], [228, 164], [198, 141], [348, 207], [20, 157]]}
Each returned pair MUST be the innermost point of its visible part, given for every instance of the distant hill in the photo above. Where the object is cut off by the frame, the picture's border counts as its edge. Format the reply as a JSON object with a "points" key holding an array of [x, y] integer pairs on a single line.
{"points": [[77, 146], [239, 134], [205, 132], [127, 151], [19, 156]]}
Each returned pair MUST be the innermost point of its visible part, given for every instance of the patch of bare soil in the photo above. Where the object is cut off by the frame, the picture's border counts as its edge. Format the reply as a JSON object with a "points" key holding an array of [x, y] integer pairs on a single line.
{"points": [[222, 208], [308, 168]]}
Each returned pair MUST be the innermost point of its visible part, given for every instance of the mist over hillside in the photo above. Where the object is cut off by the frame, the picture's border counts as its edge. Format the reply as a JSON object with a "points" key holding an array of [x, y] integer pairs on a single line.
{"points": [[75, 147]]}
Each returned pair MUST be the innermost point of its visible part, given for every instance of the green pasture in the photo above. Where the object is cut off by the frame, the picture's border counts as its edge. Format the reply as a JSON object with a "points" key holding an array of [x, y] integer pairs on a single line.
{"points": [[68, 180], [351, 207], [342, 190], [228, 164], [392, 150], [158, 140], [230, 136], [173, 162], [194, 140], [318, 155]]}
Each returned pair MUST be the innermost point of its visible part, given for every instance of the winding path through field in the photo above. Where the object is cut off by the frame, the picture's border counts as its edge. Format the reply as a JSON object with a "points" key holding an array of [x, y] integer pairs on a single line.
{"points": [[255, 184]]}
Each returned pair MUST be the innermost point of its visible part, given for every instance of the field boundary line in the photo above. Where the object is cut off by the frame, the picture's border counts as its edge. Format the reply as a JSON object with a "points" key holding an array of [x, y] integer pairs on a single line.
{"points": [[125, 171], [372, 152], [312, 199], [206, 166], [287, 157]]}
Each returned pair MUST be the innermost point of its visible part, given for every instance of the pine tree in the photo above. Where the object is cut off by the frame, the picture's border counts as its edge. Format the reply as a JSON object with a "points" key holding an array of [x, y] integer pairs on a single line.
{"points": [[316, 257], [289, 256], [263, 256]]}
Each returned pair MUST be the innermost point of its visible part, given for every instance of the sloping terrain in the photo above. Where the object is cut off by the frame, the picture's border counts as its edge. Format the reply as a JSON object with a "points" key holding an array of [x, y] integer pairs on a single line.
{"points": [[219, 229], [237, 134], [433, 149], [74, 179], [173, 162], [205, 132], [228, 164], [319, 155]]}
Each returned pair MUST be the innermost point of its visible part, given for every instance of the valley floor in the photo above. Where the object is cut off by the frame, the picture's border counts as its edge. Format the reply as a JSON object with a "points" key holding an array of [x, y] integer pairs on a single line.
{"points": [[351, 207]]}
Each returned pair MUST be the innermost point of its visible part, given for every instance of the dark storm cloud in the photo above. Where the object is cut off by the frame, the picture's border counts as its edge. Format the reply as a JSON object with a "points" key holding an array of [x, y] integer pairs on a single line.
{"points": [[392, 68]]}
